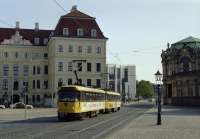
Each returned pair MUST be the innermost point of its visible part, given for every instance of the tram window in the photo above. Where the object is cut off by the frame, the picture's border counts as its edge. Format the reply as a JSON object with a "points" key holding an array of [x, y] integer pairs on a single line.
{"points": [[69, 96]]}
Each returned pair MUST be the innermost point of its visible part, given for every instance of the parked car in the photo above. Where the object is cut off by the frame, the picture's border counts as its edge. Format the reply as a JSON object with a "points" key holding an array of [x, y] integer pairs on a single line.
{"points": [[2, 106], [21, 105]]}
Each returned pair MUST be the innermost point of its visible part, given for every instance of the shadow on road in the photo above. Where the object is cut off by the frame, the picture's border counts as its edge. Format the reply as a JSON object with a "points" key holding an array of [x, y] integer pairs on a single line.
{"points": [[40, 120], [178, 111]]}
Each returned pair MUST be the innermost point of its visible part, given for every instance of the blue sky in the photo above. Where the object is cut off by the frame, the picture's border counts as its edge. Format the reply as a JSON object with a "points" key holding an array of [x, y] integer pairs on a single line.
{"points": [[138, 30]]}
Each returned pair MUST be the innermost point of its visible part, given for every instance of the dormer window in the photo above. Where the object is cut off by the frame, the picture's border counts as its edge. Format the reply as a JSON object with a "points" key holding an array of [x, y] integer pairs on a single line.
{"points": [[93, 33], [36, 41], [79, 32], [65, 32], [45, 41]]}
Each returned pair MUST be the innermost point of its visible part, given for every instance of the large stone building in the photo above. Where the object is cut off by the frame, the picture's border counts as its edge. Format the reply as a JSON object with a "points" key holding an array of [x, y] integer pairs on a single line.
{"points": [[181, 72], [122, 78], [36, 62]]}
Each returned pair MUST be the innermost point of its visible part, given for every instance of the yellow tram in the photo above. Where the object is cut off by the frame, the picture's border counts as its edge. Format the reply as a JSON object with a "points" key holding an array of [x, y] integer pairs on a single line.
{"points": [[78, 101], [112, 101]]}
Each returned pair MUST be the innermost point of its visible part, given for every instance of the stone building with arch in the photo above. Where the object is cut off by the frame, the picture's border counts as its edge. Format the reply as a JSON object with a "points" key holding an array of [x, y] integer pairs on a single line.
{"points": [[181, 72]]}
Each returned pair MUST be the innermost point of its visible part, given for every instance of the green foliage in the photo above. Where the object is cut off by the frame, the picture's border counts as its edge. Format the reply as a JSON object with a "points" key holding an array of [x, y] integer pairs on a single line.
{"points": [[144, 89]]}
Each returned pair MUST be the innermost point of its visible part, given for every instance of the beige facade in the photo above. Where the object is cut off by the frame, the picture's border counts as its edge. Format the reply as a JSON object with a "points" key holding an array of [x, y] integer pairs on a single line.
{"points": [[36, 62]]}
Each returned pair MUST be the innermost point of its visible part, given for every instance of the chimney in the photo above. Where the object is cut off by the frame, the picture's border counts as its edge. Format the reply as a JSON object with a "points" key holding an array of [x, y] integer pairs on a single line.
{"points": [[36, 26], [17, 24], [74, 8]]}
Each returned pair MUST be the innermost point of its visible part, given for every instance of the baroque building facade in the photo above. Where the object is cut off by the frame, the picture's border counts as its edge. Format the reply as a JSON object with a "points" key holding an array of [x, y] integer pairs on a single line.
{"points": [[181, 72], [35, 62]]}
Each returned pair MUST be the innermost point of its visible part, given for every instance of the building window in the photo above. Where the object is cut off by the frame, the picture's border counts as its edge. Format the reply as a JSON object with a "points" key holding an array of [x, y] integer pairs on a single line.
{"points": [[98, 82], [60, 48], [45, 84], [5, 70], [38, 98], [93, 33], [16, 70], [16, 54], [25, 84], [16, 85], [60, 66], [38, 84], [33, 98], [89, 49], [5, 54], [45, 41], [33, 84], [45, 55], [89, 82], [80, 81], [36, 41], [46, 69], [5, 84], [26, 70], [26, 55], [79, 66], [190, 92], [89, 67], [69, 81], [80, 49], [79, 32], [70, 48], [65, 32], [34, 70], [60, 82], [98, 50], [38, 69], [70, 66], [98, 67]]}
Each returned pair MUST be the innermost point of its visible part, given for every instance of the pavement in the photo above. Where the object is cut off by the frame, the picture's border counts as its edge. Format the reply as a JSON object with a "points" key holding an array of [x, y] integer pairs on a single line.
{"points": [[22, 114], [177, 123]]}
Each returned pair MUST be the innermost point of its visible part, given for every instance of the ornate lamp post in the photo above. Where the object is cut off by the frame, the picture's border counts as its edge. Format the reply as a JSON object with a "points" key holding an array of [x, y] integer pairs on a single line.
{"points": [[158, 77]]}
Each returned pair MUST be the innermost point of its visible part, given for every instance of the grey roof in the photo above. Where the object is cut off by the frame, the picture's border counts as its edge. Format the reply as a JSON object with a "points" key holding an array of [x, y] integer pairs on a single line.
{"points": [[189, 39]]}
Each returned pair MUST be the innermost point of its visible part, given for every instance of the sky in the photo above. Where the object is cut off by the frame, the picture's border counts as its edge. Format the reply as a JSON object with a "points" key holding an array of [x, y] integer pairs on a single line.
{"points": [[138, 30]]}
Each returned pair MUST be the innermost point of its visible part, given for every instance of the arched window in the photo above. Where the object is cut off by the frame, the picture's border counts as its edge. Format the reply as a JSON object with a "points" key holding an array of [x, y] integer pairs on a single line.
{"points": [[185, 64]]}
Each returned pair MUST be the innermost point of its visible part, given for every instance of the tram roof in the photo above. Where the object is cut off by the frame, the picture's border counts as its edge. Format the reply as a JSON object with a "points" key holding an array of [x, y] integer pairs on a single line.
{"points": [[112, 93], [82, 88]]}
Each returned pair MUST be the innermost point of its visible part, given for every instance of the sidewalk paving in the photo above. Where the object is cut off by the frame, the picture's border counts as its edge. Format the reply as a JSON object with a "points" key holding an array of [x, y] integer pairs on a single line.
{"points": [[177, 123]]}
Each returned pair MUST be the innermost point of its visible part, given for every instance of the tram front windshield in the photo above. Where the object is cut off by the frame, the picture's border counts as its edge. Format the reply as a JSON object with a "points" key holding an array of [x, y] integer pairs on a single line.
{"points": [[68, 96]]}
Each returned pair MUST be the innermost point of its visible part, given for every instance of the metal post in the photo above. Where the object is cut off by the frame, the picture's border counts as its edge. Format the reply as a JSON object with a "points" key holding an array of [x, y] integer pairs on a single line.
{"points": [[159, 106]]}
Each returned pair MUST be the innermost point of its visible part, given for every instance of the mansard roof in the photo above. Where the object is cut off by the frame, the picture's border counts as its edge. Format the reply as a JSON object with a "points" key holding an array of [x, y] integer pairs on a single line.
{"points": [[27, 34], [72, 20], [75, 20]]}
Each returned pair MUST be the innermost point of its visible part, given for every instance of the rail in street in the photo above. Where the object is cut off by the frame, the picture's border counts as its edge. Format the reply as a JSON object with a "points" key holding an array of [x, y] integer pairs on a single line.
{"points": [[51, 128]]}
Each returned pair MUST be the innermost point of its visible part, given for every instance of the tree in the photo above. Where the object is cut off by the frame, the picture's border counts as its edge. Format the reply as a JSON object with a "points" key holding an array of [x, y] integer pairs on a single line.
{"points": [[144, 89]]}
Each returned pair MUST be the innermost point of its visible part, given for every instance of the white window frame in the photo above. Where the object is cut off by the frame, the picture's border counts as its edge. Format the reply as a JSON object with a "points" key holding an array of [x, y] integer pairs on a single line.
{"points": [[80, 32], [65, 32], [70, 48], [98, 50], [93, 33], [36, 41], [60, 48]]}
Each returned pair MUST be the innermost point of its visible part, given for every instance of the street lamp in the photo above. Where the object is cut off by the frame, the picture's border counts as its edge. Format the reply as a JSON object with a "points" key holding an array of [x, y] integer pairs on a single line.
{"points": [[158, 77]]}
